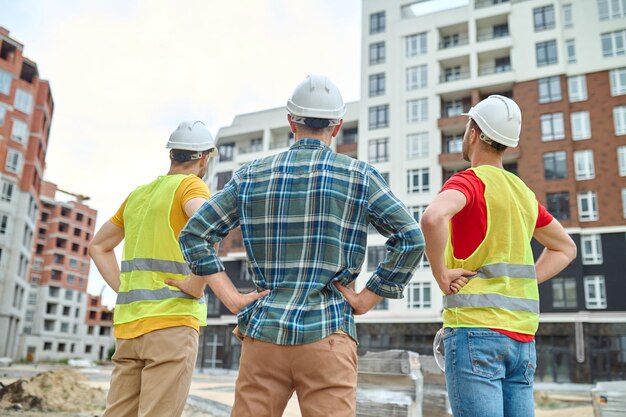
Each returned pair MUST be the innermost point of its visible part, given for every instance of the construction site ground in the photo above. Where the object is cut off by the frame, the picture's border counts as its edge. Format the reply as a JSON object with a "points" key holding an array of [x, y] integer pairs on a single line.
{"points": [[212, 394]]}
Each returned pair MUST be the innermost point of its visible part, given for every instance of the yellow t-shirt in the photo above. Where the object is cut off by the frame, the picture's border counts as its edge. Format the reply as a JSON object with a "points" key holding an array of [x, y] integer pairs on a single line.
{"points": [[190, 188]]}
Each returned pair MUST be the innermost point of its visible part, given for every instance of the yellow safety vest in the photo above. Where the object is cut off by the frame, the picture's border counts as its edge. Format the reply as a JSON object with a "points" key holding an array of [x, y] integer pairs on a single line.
{"points": [[152, 255], [504, 293]]}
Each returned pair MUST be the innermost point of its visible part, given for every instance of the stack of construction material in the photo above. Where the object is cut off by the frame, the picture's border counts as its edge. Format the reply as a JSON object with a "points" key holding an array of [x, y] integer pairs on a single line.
{"points": [[436, 403], [609, 399], [390, 384]]}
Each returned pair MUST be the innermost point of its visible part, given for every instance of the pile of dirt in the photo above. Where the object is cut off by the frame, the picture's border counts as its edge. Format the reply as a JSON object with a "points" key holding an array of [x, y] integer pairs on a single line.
{"points": [[58, 390]]}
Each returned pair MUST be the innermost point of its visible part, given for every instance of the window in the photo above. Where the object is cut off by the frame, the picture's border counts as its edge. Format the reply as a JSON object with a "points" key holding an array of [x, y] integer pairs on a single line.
{"points": [[570, 50], [377, 84], [621, 160], [587, 206], [453, 144], [568, 17], [418, 181], [577, 88], [618, 82], [375, 255], [3, 113], [379, 150], [452, 73], [227, 152], [53, 291], [88, 348], [416, 44], [624, 201], [51, 308], [564, 292], [416, 77], [348, 136], [71, 279], [613, 43], [5, 82], [502, 64], [66, 311], [500, 31], [543, 18], [417, 212], [555, 165], [449, 41], [591, 248], [619, 119], [558, 205], [223, 178], [23, 101], [47, 345], [377, 53], [546, 53], [48, 325], [19, 132], [583, 164], [7, 192], [580, 125], [4, 224], [611, 9], [595, 292], [418, 295], [417, 145], [377, 22], [549, 89], [14, 161], [61, 347], [552, 127], [379, 116], [452, 108], [417, 110]]}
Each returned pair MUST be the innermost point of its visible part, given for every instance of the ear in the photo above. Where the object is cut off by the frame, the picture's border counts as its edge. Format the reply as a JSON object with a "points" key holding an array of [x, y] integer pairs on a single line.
{"points": [[171, 159], [292, 124], [337, 128], [474, 135]]}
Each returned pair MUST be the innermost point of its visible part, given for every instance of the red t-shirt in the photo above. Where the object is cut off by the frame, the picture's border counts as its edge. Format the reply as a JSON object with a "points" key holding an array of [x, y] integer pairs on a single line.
{"points": [[469, 226]]}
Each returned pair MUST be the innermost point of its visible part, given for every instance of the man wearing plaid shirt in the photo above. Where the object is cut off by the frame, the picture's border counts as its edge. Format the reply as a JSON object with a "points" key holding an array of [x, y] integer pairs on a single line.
{"points": [[304, 215]]}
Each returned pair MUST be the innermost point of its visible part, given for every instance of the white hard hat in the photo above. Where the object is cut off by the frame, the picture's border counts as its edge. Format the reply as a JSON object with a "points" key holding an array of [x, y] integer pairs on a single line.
{"points": [[499, 118], [317, 98], [191, 136]]}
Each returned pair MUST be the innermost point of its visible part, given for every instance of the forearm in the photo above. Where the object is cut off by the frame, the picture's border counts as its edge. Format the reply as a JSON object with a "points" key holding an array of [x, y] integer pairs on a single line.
{"points": [[436, 232], [107, 265], [225, 291], [550, 263]]}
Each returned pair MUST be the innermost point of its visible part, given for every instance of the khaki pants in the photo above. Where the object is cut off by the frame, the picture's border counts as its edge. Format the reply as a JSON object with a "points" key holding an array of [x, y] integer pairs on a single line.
{"points": [[323, 375], [152, 373]]}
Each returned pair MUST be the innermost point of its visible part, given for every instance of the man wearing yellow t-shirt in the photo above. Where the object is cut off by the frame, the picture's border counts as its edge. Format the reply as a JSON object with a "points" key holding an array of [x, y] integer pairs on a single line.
{"points": [[155, 325]]}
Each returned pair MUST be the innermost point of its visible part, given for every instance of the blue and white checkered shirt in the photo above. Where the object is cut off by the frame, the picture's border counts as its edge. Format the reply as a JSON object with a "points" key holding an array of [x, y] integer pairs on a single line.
{"points": [[304, 215]]}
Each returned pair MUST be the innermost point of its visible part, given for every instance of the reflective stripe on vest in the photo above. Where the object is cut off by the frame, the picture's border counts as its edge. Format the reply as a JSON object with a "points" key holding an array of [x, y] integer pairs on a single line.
{"points": [[506, 270], [491, 301], [152, 295], [158, 265]]}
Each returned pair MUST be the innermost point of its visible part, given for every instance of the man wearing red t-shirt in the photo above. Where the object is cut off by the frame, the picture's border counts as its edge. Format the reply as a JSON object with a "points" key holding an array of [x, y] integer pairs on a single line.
{"points": [[478, 232]]}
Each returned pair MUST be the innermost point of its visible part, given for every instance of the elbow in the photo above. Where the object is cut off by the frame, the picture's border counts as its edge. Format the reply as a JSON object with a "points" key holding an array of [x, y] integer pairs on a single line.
{"points": [[571, 251]]}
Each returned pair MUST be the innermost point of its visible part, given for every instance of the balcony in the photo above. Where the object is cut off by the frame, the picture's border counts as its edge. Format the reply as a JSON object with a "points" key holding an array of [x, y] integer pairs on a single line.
{"points": [[494, 67], [493, 32], [454, 74], [479, 4]]}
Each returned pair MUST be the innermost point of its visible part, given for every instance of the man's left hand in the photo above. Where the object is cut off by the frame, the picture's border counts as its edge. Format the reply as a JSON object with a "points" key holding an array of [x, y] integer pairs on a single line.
{"points": [[361, 302]]}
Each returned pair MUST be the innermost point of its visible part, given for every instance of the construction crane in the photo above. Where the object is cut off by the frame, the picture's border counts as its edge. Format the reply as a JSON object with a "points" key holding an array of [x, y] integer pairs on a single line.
{"points": [[79, 197]]}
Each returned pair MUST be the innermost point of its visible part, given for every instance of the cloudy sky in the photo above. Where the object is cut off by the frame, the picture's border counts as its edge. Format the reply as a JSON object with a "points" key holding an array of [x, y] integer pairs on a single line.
{"points": [[124, 73]]}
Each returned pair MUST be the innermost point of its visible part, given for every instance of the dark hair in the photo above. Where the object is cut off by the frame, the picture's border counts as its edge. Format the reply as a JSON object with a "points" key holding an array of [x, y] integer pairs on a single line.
{"points": [[495, 145], [181, 155], [316, 124]]}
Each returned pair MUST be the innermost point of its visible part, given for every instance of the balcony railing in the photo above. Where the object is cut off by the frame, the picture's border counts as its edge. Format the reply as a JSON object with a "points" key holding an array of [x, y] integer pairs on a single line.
{"points": [[478, 4], [453, 42], [489, 33], [446, 78], [250, 149], [487, 69]]}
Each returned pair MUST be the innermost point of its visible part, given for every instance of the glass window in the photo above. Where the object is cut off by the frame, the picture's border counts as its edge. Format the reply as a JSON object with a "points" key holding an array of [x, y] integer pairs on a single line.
{"points": [[379, 116], [591, 248], [543, 18], [453, 143], [583, 163], [418, 181], [14, 161], [7, 192], [568, 17], [419, 295], [621, 160], [587, 206], [417, 145], [223, 178], [417, 110], [416, 77], [595, 292], [570, 49], [19, 132], [417, 212], [549, 89], [379, 150], [377, 22], [546, 53], [377, 53], [23, 101], [552, 127], [375, 255], [564, 292], [613, 43], [377, 84], [581, 129], [611, 9], [3, 115], [5, 82], [618, 81], [416, 44], [227, 152], [619, 119], [452, 108], [624, 201], [555, 165], [577, 88]]}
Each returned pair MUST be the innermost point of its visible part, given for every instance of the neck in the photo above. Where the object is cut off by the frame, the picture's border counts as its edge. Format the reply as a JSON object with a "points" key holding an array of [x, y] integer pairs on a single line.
{"points": [[175, 170], [484, 158]]}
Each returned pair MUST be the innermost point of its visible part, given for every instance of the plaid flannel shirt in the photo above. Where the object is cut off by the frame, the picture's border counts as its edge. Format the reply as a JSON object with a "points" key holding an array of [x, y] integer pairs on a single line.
{"points": [[304, 215]]}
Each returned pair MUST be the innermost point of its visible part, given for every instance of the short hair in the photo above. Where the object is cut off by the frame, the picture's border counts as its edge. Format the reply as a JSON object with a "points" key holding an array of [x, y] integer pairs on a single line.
{"points": [[182, 155], [492, 143]]}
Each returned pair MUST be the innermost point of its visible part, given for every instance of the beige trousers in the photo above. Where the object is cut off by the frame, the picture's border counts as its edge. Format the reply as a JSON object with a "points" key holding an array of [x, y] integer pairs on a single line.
{"points": [[152, 373], [323, 374]]}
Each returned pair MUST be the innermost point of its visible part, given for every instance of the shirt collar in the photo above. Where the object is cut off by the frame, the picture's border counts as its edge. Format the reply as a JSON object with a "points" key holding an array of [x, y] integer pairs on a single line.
{"points": [[309, 143]]}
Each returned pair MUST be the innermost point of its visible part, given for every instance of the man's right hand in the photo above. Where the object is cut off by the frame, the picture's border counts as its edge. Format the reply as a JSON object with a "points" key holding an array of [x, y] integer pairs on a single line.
{"points": [[239, 303], [192, 285], [452, 280]]}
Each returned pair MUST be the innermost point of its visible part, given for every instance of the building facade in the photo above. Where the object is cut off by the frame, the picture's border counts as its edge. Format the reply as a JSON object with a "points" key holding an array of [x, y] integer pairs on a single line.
{"points": [[564, 62], [26, 109]]}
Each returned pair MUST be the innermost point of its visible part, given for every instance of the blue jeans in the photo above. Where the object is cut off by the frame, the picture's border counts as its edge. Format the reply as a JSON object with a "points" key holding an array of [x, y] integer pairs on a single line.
{"points": [[489, 374]]}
